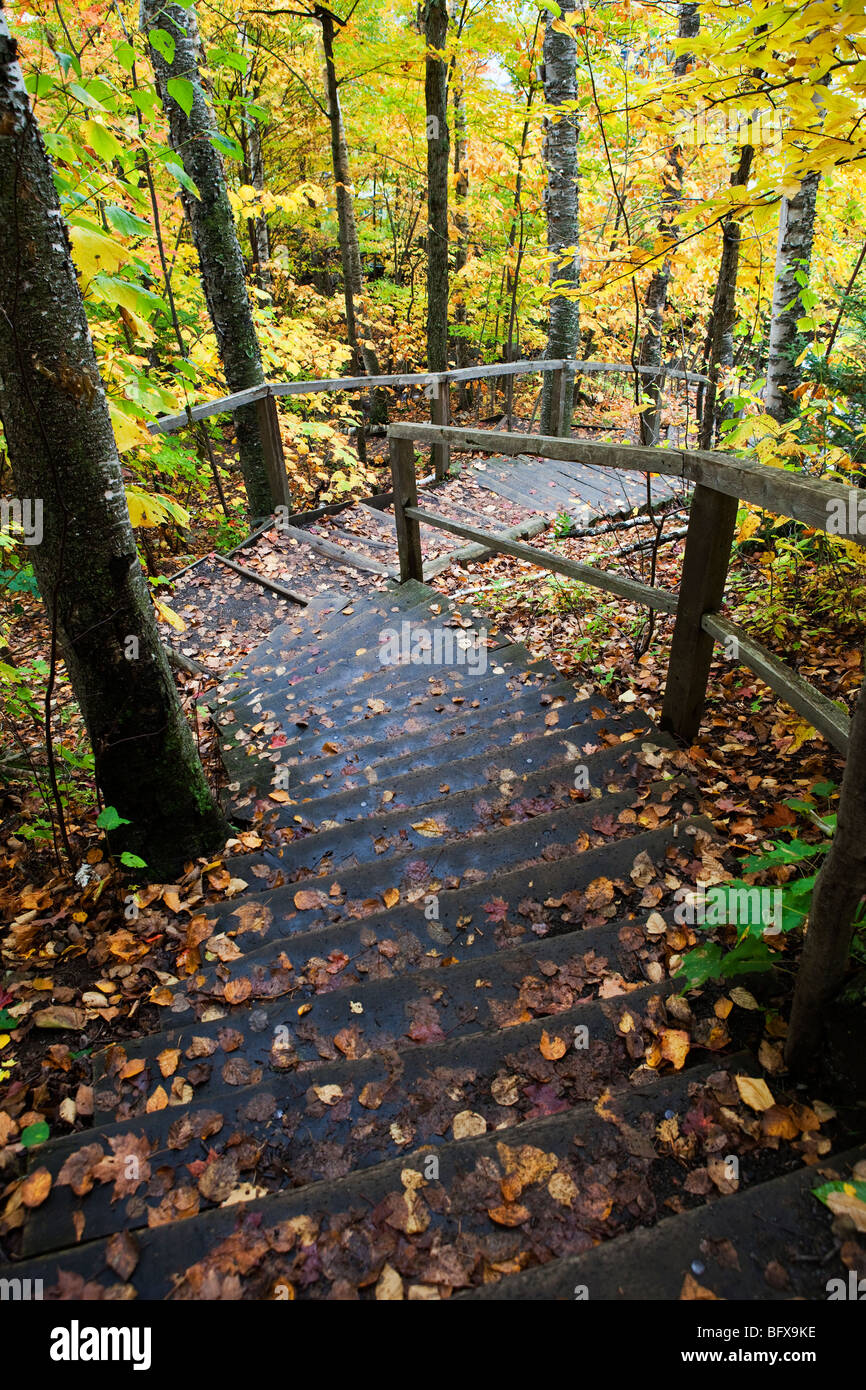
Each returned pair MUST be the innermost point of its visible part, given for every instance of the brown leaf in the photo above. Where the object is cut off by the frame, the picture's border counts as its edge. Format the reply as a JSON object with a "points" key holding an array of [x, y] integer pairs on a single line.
{"points": [[36, 1187], [509, 1214], [237, 991], [121, 1254]]}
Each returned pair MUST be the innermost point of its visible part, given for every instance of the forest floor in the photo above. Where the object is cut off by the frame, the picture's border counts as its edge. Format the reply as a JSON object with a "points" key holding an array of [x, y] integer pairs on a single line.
{"points": [[74, 963]]}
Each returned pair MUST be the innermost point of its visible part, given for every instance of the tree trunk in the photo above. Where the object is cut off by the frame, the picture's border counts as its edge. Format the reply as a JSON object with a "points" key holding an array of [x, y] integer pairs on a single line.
{"points": [[436, 102], [61, 444], [350, 248], [793, 258], [651, 354], [461, 219], [260, 240], [724, 311], [213, 231], [839, 889], [561, 202]]}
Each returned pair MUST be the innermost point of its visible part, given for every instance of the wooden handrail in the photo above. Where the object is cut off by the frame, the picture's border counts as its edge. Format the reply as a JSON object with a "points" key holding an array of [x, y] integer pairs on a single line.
{"points": [[721, 481], [809, 500], [222, 405], [620, 584]]}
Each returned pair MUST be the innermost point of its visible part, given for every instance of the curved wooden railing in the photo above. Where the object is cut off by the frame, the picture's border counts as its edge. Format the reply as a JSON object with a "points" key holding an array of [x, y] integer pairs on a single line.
{"points": [[265, 396]]}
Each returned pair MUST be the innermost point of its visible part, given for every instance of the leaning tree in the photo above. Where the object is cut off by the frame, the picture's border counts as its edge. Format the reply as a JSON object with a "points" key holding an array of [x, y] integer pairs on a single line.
{"points": [[65, 462]]}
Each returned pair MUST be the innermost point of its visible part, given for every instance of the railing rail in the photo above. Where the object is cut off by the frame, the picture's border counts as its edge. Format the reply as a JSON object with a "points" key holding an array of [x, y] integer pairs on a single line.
{"points": [[222, 405], [721, 481]]}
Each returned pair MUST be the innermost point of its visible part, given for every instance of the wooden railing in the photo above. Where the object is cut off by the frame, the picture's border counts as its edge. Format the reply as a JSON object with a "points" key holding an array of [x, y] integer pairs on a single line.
{"points": [[265, 395], [720, 483]]}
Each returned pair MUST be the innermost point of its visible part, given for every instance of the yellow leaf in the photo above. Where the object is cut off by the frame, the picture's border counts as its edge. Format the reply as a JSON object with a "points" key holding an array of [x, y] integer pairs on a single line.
{"points": [[169, 616], [129, 433], [754, 1092], [93, 251]]}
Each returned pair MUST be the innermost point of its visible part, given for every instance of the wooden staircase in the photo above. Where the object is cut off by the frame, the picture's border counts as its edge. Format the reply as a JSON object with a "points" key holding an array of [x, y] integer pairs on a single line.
{"points": [[432, 1048]]}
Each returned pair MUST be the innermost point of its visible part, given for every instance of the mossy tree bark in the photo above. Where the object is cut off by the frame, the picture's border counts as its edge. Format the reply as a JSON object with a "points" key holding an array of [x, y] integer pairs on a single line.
{"points": [[63, 453], [213, 230], [438, 148], [561, 203]]}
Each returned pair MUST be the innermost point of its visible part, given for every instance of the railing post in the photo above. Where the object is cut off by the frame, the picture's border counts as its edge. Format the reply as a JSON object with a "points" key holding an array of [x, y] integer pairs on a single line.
{"points": [[440, 414], [406, 495], [712, 519], [561, 402], [272, 447]]}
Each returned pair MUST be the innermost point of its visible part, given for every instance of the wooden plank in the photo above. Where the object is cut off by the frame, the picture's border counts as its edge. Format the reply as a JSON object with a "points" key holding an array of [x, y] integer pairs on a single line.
{"points": [[629, 589], [467, 553], [405, 498], [633, 457], [822, 713], [533, 486], [675, 373], [353, 538], [351, 558], [705, 567], [809, 500], [469, 514], [223, 405], [557, 401], [255, 578], [502, 486]]}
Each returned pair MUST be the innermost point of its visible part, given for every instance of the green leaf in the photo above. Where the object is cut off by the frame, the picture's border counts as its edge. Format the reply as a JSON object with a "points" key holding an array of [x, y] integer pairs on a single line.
{"points": [[35, 1134], [146, 99], [125, 55], [110, 819], [40, 84], [231, 148], [125, 222], [106, 144], [228, 58], [132, 861], [823, 788], [86, 98], [854, 1188], [700, 965], [182, 177], [163, 42], [182, 91], [8, 1021], [748, 957], [67, 61]]}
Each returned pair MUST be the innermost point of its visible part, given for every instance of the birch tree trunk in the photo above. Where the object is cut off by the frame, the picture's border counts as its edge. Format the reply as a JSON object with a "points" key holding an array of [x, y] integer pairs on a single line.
{"points": [[64, 458], [838, 892], [793, 258], [561, 203], [438, 141], [651, 354], [213, 230], [724, 311]]}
